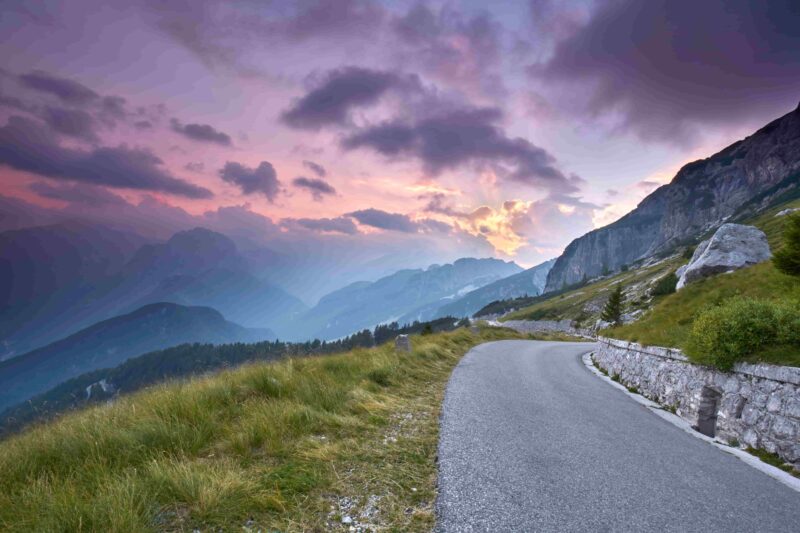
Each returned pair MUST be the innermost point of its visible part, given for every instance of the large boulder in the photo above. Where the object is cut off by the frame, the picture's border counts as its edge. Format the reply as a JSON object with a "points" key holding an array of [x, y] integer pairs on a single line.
{"points": [[732, 247]]}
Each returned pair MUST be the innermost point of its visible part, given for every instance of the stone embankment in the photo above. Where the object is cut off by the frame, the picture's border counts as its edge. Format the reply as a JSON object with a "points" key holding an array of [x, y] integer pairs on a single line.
{"points": [[546, 326], [755, 405]]}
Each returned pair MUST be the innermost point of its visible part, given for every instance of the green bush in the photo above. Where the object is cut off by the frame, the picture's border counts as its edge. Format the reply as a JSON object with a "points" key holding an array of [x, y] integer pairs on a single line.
{"points": [[787, 258], [665, 285], [742, 328]]}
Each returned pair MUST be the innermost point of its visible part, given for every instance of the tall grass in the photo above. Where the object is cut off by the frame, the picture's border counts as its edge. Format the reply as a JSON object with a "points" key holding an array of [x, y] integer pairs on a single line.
{"points": [[265, 445]]}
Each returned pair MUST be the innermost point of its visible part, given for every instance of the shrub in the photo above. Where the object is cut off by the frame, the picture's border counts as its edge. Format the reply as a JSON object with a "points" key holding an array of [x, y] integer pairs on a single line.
{"points": [[612, 312], [742, 328], [665, 285], [787, 258]]}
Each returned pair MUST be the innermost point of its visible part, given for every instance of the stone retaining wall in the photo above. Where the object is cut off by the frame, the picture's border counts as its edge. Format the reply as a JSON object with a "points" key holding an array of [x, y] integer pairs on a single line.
{"points": [[755, 405], [542, 326]]}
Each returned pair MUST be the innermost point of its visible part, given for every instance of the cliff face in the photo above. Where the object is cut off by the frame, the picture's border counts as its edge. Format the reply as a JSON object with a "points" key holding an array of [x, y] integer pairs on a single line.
{"points": [[703, 195]]}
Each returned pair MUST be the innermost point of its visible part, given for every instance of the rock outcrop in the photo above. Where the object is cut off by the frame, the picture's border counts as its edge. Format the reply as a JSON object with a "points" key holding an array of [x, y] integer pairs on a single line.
{"points": [[743, 177], [732, 247]]}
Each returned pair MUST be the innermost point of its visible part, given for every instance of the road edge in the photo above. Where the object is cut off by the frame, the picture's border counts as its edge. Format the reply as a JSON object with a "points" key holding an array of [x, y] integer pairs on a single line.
{"points": [[773, 472]]}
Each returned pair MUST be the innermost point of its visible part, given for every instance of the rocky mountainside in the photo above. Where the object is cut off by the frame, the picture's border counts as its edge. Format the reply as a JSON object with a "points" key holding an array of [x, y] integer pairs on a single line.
{"points": [[529, 282], [113, 341], [405, 293], [747, 175]]}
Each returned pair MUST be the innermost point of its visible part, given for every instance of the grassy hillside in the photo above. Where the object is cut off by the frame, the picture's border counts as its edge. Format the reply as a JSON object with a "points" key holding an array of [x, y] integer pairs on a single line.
{"points": [[292, 445]]}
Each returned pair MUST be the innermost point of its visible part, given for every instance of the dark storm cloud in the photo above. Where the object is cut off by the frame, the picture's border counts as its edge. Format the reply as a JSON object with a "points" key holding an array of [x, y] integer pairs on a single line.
{"points": [[343, 225], [28, 146], [451, 139], [67, 90], [339, 92], [667, 67], [78, 194], [317, 169], [317, 187], [75, 123], [201, 133], [262, 180], [384, 220]]}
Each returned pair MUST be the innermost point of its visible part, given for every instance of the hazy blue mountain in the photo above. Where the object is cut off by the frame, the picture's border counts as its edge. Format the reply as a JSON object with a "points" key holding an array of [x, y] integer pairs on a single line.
{"points": [[365, 304], [45, 271], [529, 282], [70, 276], [111, 342]]}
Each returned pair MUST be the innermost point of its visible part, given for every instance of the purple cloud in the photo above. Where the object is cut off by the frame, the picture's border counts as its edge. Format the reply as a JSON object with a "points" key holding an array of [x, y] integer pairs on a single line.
{"points": [[384, 220], [340, 92], [317, 187], [343, 225], [667, 69], [451, 139], [75, 123], [67, 90], [89, 196], [263, 179], [28, 146], [201, 133], [317, 169]]}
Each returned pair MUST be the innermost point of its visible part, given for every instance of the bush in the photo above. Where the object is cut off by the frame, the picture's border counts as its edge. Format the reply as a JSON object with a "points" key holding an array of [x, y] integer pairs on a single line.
{"points": [[665, 285], [787, 258], [742, 328]]}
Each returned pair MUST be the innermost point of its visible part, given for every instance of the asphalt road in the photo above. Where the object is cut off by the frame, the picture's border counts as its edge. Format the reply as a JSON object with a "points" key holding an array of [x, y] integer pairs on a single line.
{"points": [[531, 440]]}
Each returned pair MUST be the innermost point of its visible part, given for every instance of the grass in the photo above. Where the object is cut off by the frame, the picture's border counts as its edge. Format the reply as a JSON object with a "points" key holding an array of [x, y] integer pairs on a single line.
{"points": [[670, 320], [774, 460], [290, 446]]}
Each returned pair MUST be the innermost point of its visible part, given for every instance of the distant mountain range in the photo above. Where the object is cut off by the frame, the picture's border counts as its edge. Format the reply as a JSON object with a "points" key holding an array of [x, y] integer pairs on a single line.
{"points": [[397, 297], [111, 342], [747, 175], [59, 279]]}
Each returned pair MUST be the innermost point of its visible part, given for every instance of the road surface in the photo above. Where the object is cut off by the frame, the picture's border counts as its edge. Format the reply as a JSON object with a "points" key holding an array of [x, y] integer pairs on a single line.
{"points": [[531, 440]]}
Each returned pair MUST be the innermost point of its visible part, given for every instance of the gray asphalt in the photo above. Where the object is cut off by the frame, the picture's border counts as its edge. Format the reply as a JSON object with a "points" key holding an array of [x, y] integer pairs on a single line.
{"points": [[531, 440]]}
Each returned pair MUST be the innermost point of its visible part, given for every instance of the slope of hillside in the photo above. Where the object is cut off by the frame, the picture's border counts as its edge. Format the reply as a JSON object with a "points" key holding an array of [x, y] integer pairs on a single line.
{"points": [[111, 342], [295, 445], [702, 195], [399, 297]]}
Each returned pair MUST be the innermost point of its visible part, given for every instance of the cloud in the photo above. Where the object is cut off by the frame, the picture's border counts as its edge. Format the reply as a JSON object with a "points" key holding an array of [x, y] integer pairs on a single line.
{"points": [[28, 146], [317, 187], [342, 225], [263, 179], [451, 139], [338, 93], [143, 125], [69, 91], [193, 166], [78, 194], [667, 71], [201, 133], [383, 220], [317, 169], [75, 123]]}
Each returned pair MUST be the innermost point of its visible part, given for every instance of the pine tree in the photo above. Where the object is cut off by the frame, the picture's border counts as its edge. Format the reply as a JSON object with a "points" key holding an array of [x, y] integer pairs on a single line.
{"points": [[612, 312], [787, 258]]}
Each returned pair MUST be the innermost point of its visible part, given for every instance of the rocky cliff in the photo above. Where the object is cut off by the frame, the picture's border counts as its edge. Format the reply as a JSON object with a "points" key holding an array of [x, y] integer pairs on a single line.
{"points": [[748, 174]]}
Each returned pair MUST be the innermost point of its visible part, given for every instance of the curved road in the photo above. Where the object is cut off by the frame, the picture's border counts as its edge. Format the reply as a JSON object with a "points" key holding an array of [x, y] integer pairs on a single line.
{"points": [[531, 440]]}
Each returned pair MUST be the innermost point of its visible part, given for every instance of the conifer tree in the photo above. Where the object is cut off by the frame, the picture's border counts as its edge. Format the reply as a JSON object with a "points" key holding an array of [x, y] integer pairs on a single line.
{"points": [[612, 312], [787, 258]]}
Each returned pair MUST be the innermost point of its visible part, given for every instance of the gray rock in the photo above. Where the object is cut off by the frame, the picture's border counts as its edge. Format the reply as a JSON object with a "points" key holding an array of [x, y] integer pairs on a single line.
{"points": [[402, 343], [787, 211], [732, 247]]}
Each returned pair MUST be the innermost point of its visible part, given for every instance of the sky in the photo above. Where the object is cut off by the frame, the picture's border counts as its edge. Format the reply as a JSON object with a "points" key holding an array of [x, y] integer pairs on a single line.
{"points": [[417, 131]]}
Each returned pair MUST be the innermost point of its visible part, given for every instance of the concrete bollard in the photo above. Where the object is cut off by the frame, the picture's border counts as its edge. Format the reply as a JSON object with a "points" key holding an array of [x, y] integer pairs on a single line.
{"points": [[402, 343]]}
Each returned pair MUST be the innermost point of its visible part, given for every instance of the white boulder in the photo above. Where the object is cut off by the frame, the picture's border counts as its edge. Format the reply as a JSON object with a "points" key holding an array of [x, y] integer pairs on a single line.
{"points": [[787, 211], [732, 247]]}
